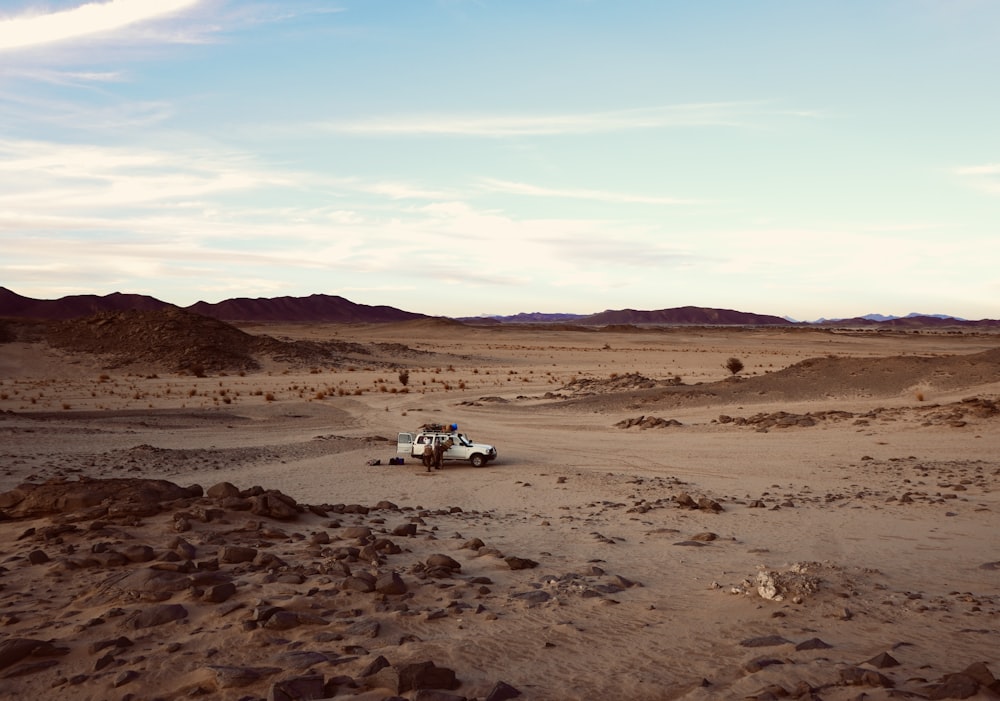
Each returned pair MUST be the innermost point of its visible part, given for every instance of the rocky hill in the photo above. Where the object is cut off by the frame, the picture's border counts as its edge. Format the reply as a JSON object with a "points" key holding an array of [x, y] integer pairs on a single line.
{"points": [[324, 308], [180, 341], [683, 315]]}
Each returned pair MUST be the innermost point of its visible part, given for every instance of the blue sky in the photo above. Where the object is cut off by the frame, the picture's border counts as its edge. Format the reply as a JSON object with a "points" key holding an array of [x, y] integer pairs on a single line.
{"points": [[827, 158]]}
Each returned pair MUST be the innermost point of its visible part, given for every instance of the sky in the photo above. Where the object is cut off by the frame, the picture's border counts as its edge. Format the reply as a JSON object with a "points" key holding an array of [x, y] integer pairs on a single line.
{"points": [[829, 158]]}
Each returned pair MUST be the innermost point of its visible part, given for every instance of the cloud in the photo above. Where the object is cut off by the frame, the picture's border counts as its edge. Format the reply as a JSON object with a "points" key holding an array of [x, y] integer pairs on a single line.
{"points": [[985, 178], [528, 190], [30, 29], [726, 114]]}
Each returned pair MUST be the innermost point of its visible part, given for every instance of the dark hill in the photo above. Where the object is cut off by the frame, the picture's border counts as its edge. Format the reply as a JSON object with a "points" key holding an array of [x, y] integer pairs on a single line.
{"points": [[74, 306], [312, 308], [683, 315]]}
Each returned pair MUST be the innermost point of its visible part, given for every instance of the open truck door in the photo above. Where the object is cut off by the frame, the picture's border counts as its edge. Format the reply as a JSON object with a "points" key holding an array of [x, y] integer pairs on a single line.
{"points": [[404, 444]]}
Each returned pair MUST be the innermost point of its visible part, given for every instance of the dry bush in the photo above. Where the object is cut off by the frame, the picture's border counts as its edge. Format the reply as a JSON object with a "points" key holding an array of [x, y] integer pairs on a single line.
{"points": [[269, 397]]}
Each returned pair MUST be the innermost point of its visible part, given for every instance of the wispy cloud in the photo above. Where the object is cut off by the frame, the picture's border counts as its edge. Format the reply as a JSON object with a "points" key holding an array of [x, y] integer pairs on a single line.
{"points": [[717, 114], [39, 28], [513, 188], [985, 178]]}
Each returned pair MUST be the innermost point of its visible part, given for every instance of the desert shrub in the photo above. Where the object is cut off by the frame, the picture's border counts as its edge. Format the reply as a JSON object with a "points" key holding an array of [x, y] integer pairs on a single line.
{"points": [[733, 365], [269, 397], [404, 377]]}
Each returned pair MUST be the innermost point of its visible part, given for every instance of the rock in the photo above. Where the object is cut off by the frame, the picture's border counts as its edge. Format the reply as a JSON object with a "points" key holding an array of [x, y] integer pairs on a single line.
{"points": [[231, 677], [442, 561], [158, 615], [37, 557], [364, 629], [425, 675], [274, 504], [218, 593], [125, 677], [301, 659], [222, 490], [310, 686], [375, 666], [405, 530], [502, 691], [233, 554], [390, 583], [437, 695], [706, 504], [707, 536], [882, 661], [953, 686], [858, 676], [357, 532], [533, 598], [759, 663], [138, 553], [813, 644], [359, 583], [765, 641], [520, 563], [282, 620], [14, 650], [686, 501]]}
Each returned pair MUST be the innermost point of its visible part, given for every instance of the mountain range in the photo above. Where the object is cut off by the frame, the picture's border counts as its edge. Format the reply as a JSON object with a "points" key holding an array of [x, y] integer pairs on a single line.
{"points": [[335, 309]]}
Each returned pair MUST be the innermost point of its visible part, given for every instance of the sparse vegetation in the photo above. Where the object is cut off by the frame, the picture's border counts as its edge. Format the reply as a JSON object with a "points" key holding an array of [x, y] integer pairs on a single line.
{"points": [[734, 366]]}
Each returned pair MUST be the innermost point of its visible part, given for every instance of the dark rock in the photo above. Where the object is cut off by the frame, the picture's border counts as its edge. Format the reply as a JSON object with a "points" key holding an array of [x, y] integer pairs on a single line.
{"points": [[390, 583], [230, 677], [439, 560], [37, 557], [125, 677], [219, 592], [437, 695], [765, 641], [858, 676], [706, 504], [953, 686], [882, 661], [16, 649], [282, 620], [223, 490], [520, 563], [375, 666], [300, 659], [138, 553], [298, 689], [425, 675], [234, 554], [158, 615], [533, 598], [357, 532], [759, 663], [813, 644], [502, 691], [365, 629], [405, 530]]}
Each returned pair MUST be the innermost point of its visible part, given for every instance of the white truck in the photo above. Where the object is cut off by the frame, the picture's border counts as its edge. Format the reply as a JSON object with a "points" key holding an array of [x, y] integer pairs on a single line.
{"points": [[412, 444]]}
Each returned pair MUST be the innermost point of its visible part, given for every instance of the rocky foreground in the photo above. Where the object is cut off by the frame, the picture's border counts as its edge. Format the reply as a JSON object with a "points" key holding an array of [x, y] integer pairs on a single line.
{"points": [[135, 588], [143, 589]]}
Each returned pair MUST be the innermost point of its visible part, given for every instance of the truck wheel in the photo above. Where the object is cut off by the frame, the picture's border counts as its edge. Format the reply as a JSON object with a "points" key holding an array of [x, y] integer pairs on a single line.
{"points": [[477, 460]]}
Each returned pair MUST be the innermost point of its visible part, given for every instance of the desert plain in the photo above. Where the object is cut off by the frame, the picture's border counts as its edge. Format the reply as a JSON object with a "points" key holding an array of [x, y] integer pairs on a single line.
{"points": [[823, 525]]}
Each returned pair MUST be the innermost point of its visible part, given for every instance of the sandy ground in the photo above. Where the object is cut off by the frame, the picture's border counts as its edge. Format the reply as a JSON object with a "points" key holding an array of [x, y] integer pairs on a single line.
{"points": [[873, 530]]}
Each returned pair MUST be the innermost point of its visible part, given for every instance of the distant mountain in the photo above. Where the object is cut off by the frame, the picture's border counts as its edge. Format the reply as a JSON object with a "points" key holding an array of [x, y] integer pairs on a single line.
{"points": [[74, 306], [334, 309], [320, 308], [698, 316], [911, 321], [523, 318]]}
